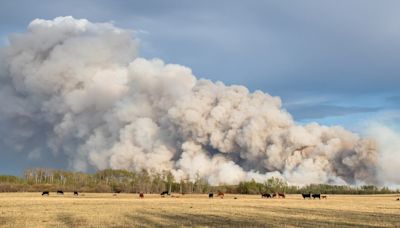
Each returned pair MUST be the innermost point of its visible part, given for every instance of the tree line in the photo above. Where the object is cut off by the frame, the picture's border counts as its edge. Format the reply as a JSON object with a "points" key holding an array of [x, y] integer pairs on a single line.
{"points": [[109, 180]]}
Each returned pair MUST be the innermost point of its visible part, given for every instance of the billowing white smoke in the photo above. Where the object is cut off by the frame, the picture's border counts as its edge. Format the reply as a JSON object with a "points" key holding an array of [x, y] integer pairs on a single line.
{"points": [[79, 89], [388, 141]]}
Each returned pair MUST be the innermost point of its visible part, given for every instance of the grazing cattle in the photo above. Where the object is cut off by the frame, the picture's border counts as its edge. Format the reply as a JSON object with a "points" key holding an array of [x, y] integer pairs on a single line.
{"points": [[221, 194], [324, 197], [210, 195], [316, 196], [235, 198], [60, 192], [117, 191], [280, 194], [266, 195], [398, 199], [273, 195], [306, 195], [76, 193], [141, 195], [46, 193], [164, 193]]}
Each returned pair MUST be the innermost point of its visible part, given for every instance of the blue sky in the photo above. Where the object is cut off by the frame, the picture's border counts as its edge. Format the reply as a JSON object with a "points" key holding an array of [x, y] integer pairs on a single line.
{"points": [[331, 62]]}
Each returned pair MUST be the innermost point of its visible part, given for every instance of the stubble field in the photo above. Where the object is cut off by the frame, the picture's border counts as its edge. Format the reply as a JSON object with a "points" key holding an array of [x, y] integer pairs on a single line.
{"points": [[128, 210]]}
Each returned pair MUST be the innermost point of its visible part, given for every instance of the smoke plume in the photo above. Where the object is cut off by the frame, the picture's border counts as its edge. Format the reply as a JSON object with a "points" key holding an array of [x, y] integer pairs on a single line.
{"points": [[388, 140], [79, 90]]}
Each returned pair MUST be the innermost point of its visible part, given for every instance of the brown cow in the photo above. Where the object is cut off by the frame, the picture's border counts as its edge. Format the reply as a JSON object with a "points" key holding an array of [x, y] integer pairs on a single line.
{"points": [[141, 195], [324, 197], [221, 194], [280, 194], [273, 195]]}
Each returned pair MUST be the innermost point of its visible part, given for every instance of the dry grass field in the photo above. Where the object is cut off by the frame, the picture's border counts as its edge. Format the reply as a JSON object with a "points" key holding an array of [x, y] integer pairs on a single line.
{"points": [[128, 210]]}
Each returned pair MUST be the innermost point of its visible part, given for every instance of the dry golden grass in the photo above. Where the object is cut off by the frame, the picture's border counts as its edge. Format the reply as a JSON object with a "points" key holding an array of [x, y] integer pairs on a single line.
{"points": [[128, 210]]}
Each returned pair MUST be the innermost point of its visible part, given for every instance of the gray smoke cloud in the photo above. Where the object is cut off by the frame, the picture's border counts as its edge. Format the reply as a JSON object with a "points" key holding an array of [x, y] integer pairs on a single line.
{"points": [[79, 90]]}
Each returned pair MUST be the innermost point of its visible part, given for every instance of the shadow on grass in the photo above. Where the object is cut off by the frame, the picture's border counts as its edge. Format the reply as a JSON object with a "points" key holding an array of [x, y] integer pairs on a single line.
{"points": [[162, 219], [349, 217], [71, 220], [357, 218], [4, 221], [152, 219]]}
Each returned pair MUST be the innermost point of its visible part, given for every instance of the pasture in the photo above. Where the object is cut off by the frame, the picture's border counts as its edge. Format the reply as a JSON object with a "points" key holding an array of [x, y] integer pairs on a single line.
{"points": [[127, 210]]}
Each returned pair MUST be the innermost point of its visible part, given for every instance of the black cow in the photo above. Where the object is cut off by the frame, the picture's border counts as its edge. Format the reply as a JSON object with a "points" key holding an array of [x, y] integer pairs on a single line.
{"points": [[59, 192], [141, 195], [164, 193], [76, 193], [46, 193], [306, 195], [117, 191], [266, 195], [316, 196], [210, 195], [398, 199], [274, 195]]}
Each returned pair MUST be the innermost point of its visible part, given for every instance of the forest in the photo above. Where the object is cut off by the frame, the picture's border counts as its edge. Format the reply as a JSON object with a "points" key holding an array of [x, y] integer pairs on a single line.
{"points": [[109, 180]]}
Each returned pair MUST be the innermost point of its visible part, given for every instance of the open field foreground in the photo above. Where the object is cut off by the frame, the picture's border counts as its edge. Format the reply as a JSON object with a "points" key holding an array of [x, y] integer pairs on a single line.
{"points": [[127, 210]]}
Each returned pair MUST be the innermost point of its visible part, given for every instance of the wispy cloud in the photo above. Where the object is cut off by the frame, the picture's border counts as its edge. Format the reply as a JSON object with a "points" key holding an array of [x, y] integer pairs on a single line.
{"points": [[394, 100], [317, 111]]}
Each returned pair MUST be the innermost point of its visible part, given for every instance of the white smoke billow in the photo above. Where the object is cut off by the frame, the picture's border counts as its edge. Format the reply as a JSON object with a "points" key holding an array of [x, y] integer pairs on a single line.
{"points": [[79, 90], [388, 141]]}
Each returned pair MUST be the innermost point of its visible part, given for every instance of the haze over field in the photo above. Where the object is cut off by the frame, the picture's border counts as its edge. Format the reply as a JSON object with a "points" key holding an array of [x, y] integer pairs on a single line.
{"points": [[79, 90]]}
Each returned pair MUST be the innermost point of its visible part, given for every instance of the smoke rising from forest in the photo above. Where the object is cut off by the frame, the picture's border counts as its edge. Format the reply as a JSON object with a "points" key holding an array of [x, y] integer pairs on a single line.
{"points": [[79, 89]]}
